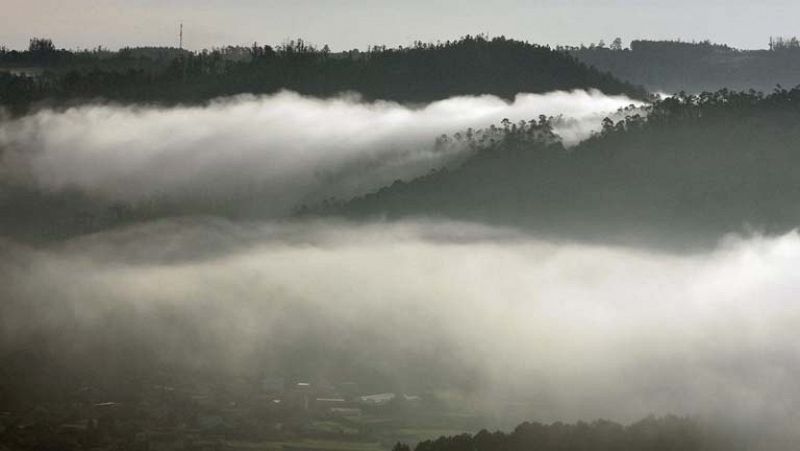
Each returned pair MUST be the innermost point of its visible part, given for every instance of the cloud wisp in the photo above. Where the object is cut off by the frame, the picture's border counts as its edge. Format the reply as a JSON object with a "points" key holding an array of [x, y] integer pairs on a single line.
{"points": [[287, 148]]}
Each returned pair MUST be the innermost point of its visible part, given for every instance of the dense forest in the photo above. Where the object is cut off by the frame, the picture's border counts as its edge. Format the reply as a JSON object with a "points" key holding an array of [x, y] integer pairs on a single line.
{"points": [[673, 66], [656, 434], [421, 73], [686, 166]]}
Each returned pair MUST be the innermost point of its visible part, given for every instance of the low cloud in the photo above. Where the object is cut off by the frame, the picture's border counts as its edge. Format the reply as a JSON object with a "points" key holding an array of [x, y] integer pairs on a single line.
{"points": [[529, 328], [285, 149]]}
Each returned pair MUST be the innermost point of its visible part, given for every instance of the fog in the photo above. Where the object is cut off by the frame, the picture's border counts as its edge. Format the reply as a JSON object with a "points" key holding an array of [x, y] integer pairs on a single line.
{"points": [[529, 329], [522, 328], [287, 148]]}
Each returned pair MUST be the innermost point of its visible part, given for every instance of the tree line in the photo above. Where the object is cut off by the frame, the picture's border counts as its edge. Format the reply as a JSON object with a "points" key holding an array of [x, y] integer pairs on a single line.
{"points": [[670, 433], [673, 66], [472, 65]]}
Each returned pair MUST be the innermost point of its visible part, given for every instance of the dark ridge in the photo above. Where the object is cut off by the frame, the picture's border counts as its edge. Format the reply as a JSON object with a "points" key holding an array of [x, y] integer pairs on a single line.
{"points": [[422, 73], [696, 169], [674, 66]]}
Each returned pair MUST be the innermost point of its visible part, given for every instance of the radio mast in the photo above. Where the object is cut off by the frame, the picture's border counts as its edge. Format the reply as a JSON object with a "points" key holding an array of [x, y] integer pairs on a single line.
{"points": [[181, 37]]}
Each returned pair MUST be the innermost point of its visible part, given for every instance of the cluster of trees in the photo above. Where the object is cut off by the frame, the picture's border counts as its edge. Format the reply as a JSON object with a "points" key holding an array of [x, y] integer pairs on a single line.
{"points": [[669, 433], [43, 56], [41, 46], [616, 45], [509, 135], [686, 169], [673, 46], [673, 66], [421, 73], [780, 43]]}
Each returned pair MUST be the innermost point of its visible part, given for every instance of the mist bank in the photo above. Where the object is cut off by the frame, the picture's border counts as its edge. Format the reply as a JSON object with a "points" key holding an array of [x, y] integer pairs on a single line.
{"points": [[261, 155], [527, 329]]}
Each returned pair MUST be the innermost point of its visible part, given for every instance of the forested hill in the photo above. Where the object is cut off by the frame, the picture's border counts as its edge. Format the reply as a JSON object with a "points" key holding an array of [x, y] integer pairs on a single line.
{"points": [[662, 434], [697, 168], [422, 73], [674, 66]]}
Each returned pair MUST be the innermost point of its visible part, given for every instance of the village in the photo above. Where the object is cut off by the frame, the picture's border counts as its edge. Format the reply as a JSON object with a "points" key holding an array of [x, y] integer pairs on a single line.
{"points": [[271, 413]]}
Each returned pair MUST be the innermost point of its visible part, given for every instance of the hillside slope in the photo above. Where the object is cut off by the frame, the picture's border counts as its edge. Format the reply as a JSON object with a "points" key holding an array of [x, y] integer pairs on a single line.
{"points": [[670, 66], [697, 168]]}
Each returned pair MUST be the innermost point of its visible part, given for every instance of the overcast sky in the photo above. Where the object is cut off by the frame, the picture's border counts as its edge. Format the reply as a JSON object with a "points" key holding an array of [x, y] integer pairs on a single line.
{"points": [[345, 24]]}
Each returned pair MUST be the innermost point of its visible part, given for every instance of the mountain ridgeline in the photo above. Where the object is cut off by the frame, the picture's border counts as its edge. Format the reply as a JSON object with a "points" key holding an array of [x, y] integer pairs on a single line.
{"points": [[686, 168], [674, 66], [421, 73]]}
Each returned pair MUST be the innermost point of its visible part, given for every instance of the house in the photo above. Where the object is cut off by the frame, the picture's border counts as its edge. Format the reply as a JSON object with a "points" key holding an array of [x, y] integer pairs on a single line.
{"points": [[379, 399]]}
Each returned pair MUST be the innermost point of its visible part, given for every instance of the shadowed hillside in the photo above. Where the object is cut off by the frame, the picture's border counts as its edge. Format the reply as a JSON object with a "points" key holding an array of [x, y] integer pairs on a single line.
{"points": [[674, 66], [697, 167]]}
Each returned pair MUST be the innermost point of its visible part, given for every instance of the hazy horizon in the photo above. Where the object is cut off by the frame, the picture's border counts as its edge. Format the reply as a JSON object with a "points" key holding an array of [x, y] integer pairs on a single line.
{"points": [[345, 25]]}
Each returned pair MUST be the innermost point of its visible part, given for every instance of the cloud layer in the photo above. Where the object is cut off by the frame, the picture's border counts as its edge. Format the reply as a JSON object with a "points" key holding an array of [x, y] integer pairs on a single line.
{"points": [[285, 149], [529, 329], [534, 330]]}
